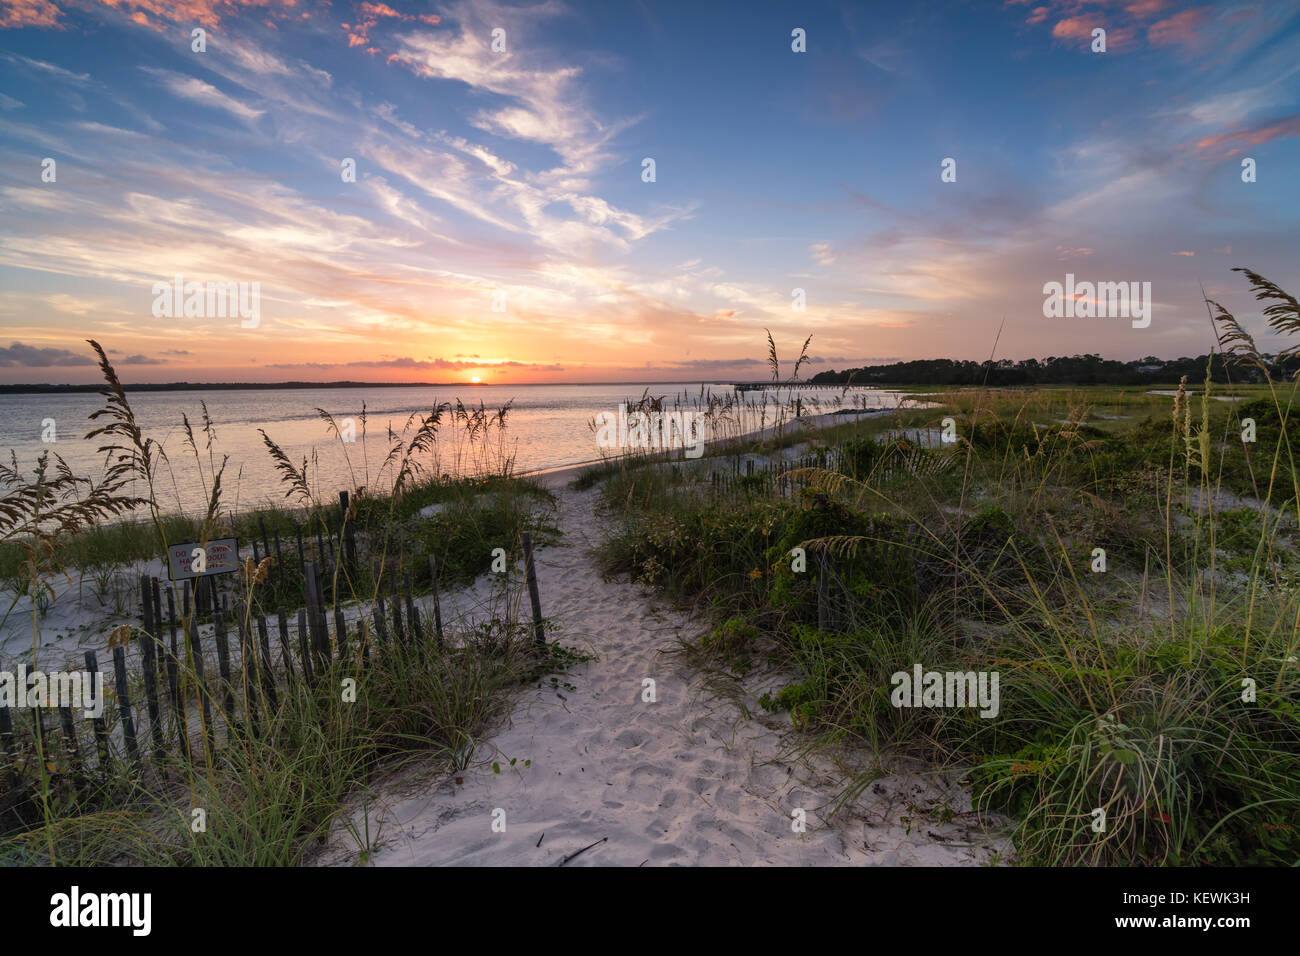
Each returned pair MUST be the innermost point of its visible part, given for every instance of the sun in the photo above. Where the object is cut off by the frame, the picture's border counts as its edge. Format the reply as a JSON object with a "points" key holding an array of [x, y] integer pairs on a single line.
{"points": [[475, 380]]}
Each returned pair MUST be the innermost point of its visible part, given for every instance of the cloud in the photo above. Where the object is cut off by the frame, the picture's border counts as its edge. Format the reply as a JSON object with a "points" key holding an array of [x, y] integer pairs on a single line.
{"points": [[418, 364], [209, 13], [62, 302], [543, 101], [1074, 20], [1182, 29], [18, 355], [1064, 252], [192, 88], [1146, 9], [1280, 129], [1074, 28], [48, 69], [371, 13], [28, 13]]}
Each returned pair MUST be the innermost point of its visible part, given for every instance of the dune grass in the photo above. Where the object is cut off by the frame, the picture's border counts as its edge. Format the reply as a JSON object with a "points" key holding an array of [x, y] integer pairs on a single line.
{"points": [[1149, 703], [274, 787]]}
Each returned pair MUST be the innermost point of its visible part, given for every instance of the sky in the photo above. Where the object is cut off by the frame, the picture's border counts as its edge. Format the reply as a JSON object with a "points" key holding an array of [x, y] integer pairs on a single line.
{"points": [[502, 223]]}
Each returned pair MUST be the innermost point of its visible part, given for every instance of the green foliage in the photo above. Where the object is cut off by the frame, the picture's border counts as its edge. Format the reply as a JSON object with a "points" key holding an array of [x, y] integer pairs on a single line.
{"points": [[1120, 690], [464, 534], [733, 636]]}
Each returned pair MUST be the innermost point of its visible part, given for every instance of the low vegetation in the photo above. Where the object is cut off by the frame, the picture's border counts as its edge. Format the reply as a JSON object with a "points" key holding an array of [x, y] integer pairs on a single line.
{"points": [[270, 784], [1127, 563]]}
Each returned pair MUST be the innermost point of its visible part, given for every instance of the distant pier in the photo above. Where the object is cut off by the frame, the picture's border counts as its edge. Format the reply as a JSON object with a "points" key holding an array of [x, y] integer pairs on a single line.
{"points": [[760, 386]]}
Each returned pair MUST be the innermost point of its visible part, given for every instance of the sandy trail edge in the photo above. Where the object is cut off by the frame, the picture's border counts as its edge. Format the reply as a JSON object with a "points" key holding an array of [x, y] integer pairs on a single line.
{"points": [[683, 780]]}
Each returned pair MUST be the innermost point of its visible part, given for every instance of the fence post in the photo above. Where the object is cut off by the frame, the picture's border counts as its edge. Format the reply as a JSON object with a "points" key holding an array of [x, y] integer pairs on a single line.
{"points": [[381, 612], [279, 561], [223, 666], [412, 623], [266, 542], [268, 676], [349, 542], [284, 643], [247, 663], [38, 718], [101, 731], [304, 647], [196, 657], [399, 633], [437, 609], [124, 703], [530, 575], [148, 666], [313, 612], [8, 748], [70, 737], [341, 633], [146, 605], [170, 662]]}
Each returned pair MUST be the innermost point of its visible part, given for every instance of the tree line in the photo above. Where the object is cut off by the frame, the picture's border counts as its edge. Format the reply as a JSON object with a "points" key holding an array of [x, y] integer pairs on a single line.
{"points": [[1090, 369]]}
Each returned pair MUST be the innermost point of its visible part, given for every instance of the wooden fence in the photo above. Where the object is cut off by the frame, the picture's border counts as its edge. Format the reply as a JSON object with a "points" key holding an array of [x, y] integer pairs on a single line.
{"points": [[256, 655]]}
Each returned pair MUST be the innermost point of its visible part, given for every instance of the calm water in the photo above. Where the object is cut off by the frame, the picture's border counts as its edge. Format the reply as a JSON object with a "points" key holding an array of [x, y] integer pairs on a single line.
{"points": [[547, 427]]}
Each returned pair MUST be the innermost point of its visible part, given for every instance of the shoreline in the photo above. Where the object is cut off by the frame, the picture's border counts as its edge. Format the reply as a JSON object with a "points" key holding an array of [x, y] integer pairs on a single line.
{"points": [[553, 474], [810, 423]]}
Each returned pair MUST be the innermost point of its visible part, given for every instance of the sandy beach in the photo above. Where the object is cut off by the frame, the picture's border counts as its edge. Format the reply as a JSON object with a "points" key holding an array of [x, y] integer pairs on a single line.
{"points": [[688, 779]]}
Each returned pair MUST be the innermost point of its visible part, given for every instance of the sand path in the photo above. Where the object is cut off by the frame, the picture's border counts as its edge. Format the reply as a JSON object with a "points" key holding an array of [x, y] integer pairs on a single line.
{"points": [[683, 780]]}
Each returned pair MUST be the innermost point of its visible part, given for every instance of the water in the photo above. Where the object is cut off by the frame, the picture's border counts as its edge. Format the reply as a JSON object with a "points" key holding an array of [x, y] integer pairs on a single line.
{"points": [[548, 426], [1190, 394]]}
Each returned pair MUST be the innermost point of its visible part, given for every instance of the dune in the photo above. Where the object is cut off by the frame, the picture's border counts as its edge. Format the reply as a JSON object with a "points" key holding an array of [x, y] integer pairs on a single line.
{"points": [[602, 776]]}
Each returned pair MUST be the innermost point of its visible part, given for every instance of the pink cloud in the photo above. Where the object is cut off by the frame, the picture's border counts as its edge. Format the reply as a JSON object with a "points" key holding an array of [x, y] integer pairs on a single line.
{"points": [[1252, 137], [1064, 252], [1144, 9], [1073, 28], [205, 12], [1181, 29], [28, 13], [372, 13]]}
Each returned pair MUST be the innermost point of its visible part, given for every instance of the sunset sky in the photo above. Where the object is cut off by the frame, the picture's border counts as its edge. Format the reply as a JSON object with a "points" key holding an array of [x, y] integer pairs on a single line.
{"points": [[482, 172]]}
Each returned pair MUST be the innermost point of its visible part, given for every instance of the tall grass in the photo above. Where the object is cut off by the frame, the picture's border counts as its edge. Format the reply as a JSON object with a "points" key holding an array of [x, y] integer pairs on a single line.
{"points": [[1163, 692], [273, 791]]}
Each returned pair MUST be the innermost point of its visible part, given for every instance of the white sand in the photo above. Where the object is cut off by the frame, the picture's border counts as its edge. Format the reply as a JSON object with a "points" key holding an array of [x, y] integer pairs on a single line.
{"points": [[684, 780]]}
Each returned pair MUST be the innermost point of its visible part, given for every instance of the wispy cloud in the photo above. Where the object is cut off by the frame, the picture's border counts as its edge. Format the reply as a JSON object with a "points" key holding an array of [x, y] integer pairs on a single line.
{"points": [[198, 91]]}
